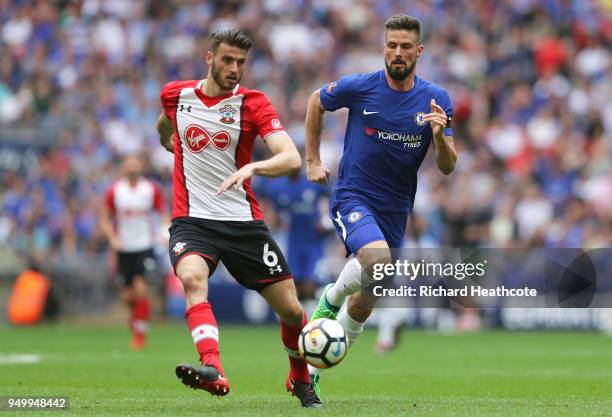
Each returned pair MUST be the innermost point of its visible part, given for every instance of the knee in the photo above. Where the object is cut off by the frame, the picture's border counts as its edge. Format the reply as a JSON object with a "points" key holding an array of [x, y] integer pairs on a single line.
{"points": [[293, 315], [192, 279], [140, 287], [373, 258]]}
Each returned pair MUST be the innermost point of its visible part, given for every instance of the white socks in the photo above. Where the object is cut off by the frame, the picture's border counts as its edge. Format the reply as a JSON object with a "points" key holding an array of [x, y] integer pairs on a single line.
{"points": [[352, 328], [313, 371], [349, 282]]}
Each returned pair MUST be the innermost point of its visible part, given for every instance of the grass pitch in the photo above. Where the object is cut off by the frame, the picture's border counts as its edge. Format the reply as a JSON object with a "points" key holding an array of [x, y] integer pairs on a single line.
{"points": [[483, 374]]}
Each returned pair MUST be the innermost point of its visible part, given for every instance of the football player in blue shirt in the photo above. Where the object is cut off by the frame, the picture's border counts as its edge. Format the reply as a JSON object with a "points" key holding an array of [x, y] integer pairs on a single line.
{"points": [[393, 117]]}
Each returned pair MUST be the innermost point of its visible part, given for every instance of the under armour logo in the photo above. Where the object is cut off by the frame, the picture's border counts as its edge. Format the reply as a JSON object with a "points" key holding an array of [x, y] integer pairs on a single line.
{"points": [[277, 268], [183, 108]]}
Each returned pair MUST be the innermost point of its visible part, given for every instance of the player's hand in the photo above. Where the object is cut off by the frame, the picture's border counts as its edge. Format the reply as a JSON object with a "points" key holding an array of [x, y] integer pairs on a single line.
{"points": [[168, 144], [236, 179], [115, 245], [317, 172], [437, 119]]}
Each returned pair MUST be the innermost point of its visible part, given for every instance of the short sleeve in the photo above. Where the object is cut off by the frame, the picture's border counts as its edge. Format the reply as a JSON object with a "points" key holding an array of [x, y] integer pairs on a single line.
{"points": [[158, 198], [266, 117], [170, 94], [340, 93], [444, 101], [109, 200]]}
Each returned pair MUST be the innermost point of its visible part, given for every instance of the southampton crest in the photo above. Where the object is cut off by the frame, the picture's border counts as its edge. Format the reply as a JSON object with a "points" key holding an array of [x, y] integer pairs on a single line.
{"points": [[227, 114]]}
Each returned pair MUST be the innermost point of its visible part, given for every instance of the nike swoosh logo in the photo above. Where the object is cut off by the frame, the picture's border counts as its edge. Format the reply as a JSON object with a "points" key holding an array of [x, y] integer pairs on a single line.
{"points": [[365, 112], [337, 351]]}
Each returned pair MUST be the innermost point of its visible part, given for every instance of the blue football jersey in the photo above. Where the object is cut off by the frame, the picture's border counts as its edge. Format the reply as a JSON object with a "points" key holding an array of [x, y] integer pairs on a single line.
{"points": [[386, 137], [300, 198]]}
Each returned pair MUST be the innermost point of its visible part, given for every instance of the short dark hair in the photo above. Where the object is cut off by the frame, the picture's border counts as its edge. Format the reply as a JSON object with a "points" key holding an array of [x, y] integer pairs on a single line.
{"points": [[403, 22], [232, 37]]}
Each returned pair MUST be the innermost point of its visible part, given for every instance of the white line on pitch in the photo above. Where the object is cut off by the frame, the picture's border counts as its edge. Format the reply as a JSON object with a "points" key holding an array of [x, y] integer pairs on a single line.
{"points": [[19, 358]]}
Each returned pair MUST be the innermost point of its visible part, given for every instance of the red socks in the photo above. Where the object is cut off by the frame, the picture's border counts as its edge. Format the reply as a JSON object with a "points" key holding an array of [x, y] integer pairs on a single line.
{"points": [[298, 370], [139, 322], [203, 328]]}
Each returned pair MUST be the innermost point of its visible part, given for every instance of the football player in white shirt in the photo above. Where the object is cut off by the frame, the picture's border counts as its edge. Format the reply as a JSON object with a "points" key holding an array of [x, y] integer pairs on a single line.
{"points": [[211, 125], [133, 206]]}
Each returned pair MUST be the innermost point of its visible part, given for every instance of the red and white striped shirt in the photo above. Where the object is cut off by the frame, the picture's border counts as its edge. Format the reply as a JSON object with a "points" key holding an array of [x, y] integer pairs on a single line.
{"points": [[214, 137], [133, 207]]}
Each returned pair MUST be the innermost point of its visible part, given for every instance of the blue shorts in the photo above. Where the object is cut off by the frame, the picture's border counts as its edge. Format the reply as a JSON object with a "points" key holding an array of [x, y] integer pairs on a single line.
{"points": [[357, 225]]}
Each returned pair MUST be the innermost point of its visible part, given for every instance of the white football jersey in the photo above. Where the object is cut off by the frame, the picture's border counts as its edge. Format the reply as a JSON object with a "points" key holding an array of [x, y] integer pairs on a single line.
{"points": [[133, 207], [213, 138]]}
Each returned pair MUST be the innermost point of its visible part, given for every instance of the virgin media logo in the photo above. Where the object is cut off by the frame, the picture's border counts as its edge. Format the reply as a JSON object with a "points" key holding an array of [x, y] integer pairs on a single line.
{"points": [[197, 139]]}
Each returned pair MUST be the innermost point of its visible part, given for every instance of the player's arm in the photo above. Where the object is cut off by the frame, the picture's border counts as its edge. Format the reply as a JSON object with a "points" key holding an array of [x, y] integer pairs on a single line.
{"points": [[106, 225], [166, 132], [159, 206], [285, 160], [444, 146], [315, 170]]}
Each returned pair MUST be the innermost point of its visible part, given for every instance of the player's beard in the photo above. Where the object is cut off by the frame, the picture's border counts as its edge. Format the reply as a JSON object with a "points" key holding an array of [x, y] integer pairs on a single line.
{"points": [[399, 74], [132, 176], [222, 82]]}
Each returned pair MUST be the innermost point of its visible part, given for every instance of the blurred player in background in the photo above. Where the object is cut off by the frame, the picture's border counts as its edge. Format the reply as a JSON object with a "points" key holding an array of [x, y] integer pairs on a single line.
{"points": [[211, 125], [306, 204], [128, 222], [394, 116]]}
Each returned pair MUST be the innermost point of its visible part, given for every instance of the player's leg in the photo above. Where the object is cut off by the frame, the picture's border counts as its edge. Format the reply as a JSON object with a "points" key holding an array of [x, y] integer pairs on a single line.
{"points": [[141, 263], [361, 303], [257, 263], [353, 276], [194, 259], [193, 271], [140, 311], [350, 283], [375, 253], [126, 264], [282, 297], [127, 295], [358, 228]]}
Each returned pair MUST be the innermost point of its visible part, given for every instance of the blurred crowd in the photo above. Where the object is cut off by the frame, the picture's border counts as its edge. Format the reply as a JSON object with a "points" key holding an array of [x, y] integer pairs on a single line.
{"points": [[530, 81]]}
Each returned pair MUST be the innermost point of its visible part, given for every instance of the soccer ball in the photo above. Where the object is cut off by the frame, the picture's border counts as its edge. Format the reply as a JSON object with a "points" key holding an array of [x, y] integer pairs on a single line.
{"points": [[323, 343]]}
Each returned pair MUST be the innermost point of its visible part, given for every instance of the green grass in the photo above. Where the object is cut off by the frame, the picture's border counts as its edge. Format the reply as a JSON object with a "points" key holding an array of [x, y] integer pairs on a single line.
{"points": [[483, 374]]}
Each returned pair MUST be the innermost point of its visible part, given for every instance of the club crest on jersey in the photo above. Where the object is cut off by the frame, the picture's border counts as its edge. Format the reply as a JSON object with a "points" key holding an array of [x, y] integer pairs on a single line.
{"points": [[197, 139], [179, 247], [419, 118], [228, 112], [331, 87], [354, 216]]}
